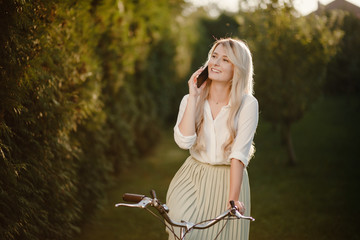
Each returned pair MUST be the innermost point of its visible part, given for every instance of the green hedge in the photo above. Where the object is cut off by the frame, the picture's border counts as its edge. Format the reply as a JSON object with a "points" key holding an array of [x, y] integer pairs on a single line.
{"points": [[85, 86]]}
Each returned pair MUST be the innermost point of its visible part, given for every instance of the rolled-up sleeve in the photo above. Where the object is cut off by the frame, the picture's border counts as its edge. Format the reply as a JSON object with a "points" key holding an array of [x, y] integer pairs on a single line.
{"points": [[246, 127], [184, 142]]}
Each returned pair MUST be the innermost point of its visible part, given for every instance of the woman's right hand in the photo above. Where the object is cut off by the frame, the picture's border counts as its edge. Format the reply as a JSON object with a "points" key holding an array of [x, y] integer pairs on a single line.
{"points": [[193, 89]]}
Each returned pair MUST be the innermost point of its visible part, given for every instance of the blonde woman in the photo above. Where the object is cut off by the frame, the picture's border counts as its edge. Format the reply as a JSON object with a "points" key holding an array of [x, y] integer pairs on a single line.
{"points": [[217, 123]]}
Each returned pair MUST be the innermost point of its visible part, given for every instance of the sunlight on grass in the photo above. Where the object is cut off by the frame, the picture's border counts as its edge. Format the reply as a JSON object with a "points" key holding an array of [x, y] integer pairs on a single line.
{"points": [[313, 200]]}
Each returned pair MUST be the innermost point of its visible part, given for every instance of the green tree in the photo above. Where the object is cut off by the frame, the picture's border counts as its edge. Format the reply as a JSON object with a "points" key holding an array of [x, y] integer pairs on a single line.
{"points": [[343, 73], [138, 64], [81, 87], [49, 88], [291, 54]]}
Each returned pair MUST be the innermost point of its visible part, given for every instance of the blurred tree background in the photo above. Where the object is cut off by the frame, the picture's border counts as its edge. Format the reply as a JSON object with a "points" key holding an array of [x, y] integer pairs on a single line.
{"points": [[87, 88], [291, 56]]}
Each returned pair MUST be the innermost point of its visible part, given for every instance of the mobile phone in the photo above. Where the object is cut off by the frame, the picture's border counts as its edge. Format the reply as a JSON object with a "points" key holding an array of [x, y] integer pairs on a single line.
{"points": [[202, 77]]}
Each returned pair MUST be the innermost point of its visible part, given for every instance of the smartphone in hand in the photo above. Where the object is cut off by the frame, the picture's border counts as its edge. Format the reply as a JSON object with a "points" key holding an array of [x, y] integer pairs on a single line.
{"points": [[202, 77]]}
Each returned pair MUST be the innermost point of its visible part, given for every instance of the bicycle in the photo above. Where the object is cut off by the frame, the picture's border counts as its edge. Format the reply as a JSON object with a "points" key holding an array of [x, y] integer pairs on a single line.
{"points": [[141, 201]]}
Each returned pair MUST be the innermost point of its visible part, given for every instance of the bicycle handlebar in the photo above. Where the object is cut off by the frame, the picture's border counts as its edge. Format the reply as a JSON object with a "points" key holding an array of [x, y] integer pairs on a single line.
{"points": [[143, 202]]}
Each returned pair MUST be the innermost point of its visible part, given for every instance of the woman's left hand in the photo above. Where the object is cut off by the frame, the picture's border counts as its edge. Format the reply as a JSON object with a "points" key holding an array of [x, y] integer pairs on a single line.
{"points": [[240, 206]]}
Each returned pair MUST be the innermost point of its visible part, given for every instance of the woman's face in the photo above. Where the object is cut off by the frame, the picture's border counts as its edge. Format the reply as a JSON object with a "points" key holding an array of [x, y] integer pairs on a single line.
{"points": [[220, 67]]}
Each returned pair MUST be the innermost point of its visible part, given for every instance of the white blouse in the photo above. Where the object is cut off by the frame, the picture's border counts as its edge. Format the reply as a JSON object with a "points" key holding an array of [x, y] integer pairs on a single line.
{"points": [[216, 132]]}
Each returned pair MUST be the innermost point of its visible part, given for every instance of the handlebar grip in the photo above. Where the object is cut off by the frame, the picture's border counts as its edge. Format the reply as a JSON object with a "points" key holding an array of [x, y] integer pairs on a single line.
{"points": [[130, 197], [232, 204]]}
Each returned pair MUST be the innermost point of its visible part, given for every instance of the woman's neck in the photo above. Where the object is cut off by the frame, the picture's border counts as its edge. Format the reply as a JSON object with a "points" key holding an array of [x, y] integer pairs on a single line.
{"points": [[219, 93]]}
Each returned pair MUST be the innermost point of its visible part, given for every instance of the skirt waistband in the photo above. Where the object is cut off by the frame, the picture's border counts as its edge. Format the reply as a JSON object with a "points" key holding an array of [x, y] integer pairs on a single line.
{"points": [[191, 158]]}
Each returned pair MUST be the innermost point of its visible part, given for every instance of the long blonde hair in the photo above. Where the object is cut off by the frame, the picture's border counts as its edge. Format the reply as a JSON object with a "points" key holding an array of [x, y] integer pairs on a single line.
{"points": [[241, 84]]}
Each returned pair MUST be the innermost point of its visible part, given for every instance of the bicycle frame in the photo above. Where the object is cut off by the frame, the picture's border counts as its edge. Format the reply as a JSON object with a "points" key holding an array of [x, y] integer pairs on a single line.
{"points": [[185, 227]]}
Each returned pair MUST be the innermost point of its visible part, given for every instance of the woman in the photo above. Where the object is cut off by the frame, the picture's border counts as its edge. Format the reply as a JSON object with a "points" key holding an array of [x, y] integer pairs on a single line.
{"points": [[217, 122]]}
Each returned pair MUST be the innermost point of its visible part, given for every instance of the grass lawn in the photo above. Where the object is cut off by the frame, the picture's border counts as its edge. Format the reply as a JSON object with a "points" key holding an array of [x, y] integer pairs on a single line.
{"points": [[317, 199]]}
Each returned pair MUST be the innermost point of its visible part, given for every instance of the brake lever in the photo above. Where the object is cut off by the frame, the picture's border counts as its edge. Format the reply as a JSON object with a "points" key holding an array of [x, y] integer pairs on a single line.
{"points": [[144, 203], [234, 211]]}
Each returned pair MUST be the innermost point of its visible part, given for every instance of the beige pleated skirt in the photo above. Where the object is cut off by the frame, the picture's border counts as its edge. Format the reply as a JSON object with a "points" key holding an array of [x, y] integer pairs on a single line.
{"points": [[200, 191]]}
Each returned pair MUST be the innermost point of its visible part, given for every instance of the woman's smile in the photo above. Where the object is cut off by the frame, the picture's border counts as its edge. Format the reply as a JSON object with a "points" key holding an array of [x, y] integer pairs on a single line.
{"points": [[215, 70]]}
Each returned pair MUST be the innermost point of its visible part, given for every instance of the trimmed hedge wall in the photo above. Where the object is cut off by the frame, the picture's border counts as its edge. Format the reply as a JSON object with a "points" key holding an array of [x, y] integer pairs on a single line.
{"points": [[82, 84]]}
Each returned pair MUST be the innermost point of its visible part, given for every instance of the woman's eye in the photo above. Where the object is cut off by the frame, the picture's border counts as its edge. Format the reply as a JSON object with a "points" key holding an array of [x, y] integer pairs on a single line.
{"points": [[226, 60]]}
